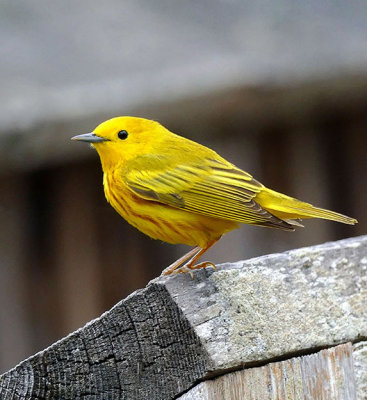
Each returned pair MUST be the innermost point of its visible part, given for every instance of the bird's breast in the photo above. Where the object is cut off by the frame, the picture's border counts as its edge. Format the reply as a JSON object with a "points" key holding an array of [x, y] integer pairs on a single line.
{"points": [[160, 221]]}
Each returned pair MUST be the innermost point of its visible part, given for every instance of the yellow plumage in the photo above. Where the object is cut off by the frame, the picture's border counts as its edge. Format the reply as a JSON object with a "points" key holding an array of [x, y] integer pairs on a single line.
{"points": [[179, 191]]}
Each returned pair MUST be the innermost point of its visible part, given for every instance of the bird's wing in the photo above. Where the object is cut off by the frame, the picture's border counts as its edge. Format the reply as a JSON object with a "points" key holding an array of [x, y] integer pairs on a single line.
{"points": [[209, 187]]}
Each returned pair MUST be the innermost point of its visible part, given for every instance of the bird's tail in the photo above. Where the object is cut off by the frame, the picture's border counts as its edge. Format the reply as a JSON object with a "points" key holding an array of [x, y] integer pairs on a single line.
{"points": [[288, 208]]}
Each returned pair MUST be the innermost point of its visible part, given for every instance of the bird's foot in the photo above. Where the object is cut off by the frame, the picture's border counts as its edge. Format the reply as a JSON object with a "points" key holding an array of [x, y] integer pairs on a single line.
{"points": [[189, 268], [178, 267]]}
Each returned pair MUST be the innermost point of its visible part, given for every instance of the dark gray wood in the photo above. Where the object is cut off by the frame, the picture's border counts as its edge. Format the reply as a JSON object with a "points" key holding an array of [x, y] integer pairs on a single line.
{"points": [[144, 348], [162, 340]]}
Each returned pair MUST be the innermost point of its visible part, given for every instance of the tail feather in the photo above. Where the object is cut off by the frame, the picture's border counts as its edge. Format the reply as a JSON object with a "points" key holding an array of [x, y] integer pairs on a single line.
{"points": [[294, 222], [288, 208]]}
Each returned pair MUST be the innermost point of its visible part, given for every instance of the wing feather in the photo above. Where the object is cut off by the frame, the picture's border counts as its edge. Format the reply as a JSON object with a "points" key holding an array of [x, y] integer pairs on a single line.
{"points": [[208, 187]]}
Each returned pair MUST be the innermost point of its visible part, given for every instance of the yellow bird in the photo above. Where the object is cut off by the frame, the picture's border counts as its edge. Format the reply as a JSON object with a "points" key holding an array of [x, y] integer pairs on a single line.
{"points": [[178, 191]]}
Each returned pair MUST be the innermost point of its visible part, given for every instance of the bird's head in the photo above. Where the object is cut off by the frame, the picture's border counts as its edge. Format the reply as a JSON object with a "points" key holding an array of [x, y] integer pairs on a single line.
{"points": [[123, 138]]}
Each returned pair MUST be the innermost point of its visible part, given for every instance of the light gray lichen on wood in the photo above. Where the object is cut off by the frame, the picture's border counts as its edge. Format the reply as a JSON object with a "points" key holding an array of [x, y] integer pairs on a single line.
{"points": [[282, 303], [162, 340]]}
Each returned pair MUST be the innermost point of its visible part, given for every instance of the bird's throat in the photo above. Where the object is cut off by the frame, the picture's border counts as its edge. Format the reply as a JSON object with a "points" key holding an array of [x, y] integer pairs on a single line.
{"points": [[110, 158]]}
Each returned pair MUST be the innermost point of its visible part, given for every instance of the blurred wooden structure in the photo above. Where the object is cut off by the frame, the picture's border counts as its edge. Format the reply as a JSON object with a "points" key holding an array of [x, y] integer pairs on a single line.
{"points": [[293, 326], [278, 93]]}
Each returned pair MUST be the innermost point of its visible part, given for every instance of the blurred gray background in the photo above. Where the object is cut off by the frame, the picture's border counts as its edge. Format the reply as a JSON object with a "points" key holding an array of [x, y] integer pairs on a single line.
{"points": [[278, 88]]}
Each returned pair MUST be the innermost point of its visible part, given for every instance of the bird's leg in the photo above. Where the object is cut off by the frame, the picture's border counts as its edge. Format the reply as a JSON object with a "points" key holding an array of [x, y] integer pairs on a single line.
{"points": [[189, 266], [181, 260]]}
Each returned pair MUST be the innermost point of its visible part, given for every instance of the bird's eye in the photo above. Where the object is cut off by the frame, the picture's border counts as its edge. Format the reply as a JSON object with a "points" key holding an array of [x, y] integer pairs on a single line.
{"points": [[123, 135]]}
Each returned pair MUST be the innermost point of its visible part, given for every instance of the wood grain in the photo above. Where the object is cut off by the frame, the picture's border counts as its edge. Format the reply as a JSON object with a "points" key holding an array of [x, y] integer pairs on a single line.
{"points": [[327, 375]]}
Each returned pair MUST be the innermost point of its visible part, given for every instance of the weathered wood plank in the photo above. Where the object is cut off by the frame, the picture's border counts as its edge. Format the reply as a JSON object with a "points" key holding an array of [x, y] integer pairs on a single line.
{"points": [[143, 348], [278, 304], [360, 368], [160, 341], [327, 375]]}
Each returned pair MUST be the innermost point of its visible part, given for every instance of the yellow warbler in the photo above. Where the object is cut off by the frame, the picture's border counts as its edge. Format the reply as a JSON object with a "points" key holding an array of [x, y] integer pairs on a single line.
{"points": [[179, 191]]}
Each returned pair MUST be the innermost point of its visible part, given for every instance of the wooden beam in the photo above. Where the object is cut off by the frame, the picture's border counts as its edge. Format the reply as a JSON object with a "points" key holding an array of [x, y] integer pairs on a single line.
{"points": [[327, 374], [360, 368], [162, 340]]}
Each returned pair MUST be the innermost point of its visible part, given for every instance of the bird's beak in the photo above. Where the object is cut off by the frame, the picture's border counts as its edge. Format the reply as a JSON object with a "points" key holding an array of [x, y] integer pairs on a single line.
{"points": [[89, 137]]}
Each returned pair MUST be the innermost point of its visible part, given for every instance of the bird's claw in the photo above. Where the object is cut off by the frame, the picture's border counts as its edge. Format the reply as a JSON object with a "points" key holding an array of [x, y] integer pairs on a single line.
{"points": [[189, 268], [204, 264]]}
